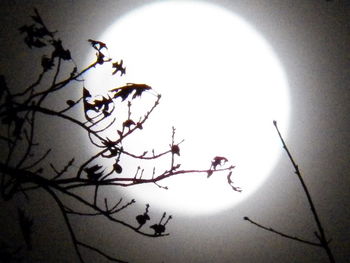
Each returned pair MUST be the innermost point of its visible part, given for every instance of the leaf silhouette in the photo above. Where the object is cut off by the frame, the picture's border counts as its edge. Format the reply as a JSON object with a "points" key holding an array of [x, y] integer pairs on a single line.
{"points": [[175, 149], [34, 36], [128, 123], [142, 219], [158, 229], [41, 32], [70, 103], [124, 91], [87, 106], [118, 67], [93, 172], [59, 51], [117, 168], [98, 45], [46, 63], [230, 182], [218, 160], [102, 104]]}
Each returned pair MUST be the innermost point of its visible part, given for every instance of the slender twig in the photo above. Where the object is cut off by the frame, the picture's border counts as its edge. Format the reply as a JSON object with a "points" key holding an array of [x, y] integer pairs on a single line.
{"points": [[322, 236], [66, 219], [282, 234], [38, 161], [31, 87], [324, 242], [100, 252]]}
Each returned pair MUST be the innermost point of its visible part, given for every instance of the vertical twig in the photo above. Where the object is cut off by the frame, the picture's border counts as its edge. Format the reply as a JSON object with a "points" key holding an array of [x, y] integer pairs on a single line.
{"points": [[321, 236]]}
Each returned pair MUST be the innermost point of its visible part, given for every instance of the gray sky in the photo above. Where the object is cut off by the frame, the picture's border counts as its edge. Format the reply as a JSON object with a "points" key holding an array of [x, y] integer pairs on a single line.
{"points": [[312, 41]]}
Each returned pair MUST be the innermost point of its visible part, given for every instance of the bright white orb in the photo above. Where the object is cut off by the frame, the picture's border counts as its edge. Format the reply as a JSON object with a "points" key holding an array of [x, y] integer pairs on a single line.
{"points": [[221, 85]]}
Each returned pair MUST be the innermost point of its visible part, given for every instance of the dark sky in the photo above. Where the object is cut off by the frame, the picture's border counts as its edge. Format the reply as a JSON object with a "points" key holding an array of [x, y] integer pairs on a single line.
{"points": [[312, 40]]}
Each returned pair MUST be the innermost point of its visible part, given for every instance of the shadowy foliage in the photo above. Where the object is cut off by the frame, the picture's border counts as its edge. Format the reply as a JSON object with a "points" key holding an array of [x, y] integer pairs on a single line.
{"points": [[27, 167], [323, 241]]}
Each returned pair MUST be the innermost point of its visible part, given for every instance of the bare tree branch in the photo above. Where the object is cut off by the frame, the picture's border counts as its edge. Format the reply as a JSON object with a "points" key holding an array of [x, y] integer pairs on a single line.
{"points": [[324, 242]]}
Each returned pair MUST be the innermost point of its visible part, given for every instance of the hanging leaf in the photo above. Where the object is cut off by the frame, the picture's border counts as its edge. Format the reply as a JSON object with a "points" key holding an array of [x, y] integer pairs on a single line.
{"points": [[117, 168], [74, 72], [230, 182]]}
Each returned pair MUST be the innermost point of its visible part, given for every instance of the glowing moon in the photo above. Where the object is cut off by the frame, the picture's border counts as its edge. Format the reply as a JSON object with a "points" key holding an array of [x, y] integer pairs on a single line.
{"points": [[221, 85]]}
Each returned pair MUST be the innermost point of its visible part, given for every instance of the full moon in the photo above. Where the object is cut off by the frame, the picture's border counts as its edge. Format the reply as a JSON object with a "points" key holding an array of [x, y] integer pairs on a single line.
{"points": [[222, 85]]}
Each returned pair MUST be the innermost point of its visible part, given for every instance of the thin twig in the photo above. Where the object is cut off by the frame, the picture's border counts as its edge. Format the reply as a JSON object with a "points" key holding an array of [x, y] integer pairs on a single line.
{"points": [[322, 236], [100, 252], [282, 234]]}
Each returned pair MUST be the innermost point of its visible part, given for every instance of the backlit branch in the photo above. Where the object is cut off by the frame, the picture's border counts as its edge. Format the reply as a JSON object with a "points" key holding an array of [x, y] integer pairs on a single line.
{"points": [[324, 242], [26, 166]]}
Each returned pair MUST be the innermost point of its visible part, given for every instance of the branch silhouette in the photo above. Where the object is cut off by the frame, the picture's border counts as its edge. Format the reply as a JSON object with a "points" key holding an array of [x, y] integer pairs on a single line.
{"points": [[27, 167], [323, 241]]}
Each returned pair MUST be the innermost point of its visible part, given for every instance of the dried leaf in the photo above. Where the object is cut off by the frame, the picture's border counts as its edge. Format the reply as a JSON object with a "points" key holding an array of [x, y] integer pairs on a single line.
{"points": [[218, 160], [175, 149], [93, 172], [118, 67], [128, 123], [59, 51], [70, 103], [47, 63], [98, 45], [125, 91], [117, 168]]}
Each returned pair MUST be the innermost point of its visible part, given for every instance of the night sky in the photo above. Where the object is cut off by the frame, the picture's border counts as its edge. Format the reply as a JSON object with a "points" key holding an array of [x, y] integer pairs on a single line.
{"points": [[312, 41]]}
